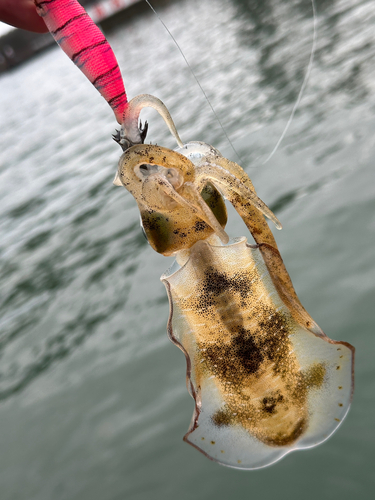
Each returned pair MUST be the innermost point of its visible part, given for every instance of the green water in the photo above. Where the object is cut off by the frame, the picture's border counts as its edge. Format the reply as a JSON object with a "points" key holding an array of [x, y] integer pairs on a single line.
{"points": [[93, 397]]}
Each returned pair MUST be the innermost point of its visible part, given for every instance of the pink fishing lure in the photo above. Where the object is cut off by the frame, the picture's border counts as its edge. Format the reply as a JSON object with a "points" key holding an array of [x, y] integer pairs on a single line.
{"points": [[87, 47]]}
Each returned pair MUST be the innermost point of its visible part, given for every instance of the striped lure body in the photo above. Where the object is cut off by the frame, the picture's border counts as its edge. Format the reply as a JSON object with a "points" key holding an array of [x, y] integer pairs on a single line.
{"points": [[87, 47]]}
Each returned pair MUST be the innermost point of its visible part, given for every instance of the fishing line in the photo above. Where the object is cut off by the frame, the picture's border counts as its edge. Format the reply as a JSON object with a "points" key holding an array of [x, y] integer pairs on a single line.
{"points": [[296, 104], [196, 79], [303, 86]]}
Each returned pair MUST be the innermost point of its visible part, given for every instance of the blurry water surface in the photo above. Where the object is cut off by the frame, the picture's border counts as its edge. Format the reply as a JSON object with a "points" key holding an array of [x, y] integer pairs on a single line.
{"points": [[93, 397]]}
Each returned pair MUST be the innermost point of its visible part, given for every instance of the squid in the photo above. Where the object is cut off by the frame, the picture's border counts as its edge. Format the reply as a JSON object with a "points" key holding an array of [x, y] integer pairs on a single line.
{"points": [[265, 378]]}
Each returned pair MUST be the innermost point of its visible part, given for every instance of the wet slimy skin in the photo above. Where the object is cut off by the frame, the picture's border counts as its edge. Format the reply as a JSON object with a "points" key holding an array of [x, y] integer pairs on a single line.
{"points": [[263, 383], [175, 215], [265, 378]]}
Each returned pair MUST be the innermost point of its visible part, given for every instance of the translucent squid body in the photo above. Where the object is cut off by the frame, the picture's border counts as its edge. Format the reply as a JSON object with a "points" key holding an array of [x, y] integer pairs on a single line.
{"points": [[265, 378]]}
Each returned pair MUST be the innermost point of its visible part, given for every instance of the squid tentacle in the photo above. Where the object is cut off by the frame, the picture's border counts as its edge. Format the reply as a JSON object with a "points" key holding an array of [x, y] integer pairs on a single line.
{"points": [[205, 212], [130, 132], [190, 198], [229, 183]]}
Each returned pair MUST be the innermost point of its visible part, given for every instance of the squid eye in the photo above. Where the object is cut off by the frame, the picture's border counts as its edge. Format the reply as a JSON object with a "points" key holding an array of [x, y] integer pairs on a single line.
{"points": [[145, 169]]}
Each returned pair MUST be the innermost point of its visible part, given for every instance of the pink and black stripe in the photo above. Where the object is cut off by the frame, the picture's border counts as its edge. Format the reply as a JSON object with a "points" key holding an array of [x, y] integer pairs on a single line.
{"points": [[87, 47]]}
